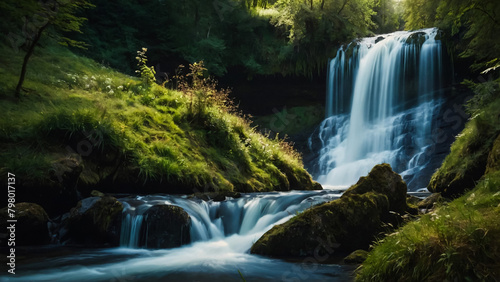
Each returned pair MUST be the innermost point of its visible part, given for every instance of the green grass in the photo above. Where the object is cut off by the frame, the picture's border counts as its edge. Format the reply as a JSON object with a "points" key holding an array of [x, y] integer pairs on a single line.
{"points": [[158, 136], [459, 241]]}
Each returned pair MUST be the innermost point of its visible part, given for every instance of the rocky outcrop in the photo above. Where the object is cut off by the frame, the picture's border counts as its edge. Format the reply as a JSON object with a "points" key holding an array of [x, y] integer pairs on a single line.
{"points": [[30, 228], [347, 224], [95, 220], [166, 226]]}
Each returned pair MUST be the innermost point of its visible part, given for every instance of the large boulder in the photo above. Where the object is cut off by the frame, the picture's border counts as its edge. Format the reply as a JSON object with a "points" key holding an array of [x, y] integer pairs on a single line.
{"points": [[30, 228], [346, 224], [383, 180], [166, 226], [95, 220]]}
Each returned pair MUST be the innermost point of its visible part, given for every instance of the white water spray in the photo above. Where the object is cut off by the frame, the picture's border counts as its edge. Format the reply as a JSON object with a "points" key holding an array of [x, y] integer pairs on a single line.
{"points": [[391, 86]]}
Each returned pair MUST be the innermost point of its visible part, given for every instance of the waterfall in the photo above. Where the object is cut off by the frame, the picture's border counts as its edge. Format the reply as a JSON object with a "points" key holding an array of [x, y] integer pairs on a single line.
{"points": [[247, 217], [382, 94]]}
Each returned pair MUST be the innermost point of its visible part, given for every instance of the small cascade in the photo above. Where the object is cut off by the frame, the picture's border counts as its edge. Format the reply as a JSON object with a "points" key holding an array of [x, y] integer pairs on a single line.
{"points": [[382, 95], [245, 217]]}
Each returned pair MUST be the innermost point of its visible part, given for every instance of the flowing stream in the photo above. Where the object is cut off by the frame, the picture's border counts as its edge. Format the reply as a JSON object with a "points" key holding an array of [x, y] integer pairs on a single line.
{"points": [[222, 234], [382, 95]]}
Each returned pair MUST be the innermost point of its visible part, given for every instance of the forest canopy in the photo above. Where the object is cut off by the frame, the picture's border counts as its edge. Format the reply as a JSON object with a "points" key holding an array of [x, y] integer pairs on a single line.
{"points": [[288, 37], [473, 25], [263, 37]]}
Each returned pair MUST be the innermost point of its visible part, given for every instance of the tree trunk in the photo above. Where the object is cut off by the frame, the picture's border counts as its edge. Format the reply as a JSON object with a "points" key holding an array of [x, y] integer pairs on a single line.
{"points": [[31, 49], [343, 6]]}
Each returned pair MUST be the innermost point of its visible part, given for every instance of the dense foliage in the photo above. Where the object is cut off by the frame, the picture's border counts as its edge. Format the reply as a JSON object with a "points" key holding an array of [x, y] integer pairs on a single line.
{"points": [[472, 25], [260, 37]]}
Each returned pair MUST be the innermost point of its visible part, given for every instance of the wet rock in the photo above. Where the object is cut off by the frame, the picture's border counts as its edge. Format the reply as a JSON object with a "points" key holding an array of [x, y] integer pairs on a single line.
{"points": [[30, 228], [417, 38], [95, 220], [380, 38], [356, 257], [346, 224], [166, 226]]}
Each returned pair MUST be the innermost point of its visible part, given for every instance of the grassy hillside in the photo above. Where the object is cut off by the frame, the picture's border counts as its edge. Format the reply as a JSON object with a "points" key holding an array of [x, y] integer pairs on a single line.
{"points": [[459, 241], [125, 135]]}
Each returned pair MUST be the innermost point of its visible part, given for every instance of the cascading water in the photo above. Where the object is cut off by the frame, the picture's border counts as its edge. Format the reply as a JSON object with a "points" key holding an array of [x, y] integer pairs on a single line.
{"points": [[222, 234], [391, 84], [248, 216]]}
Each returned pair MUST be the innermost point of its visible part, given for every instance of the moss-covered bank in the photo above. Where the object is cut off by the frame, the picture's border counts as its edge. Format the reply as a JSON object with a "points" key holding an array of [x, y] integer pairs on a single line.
{"points": [[81, 126]]}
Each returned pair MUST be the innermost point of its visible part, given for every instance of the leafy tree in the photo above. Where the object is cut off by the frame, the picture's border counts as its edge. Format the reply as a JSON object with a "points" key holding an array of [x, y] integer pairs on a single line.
{"points": [[59, 14], [419, 13], [387, 17], [477, 22], [474, 24]]}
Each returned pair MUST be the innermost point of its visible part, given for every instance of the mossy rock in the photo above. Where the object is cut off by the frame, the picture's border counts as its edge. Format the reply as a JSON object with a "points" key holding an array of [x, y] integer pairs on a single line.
{"points": [[30, 228], [469, 156], [356, 257], [382, 179], [346, 224], [493, 163], [298, 179], [166, 226], [95, 220]]}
